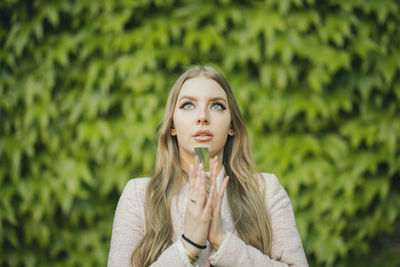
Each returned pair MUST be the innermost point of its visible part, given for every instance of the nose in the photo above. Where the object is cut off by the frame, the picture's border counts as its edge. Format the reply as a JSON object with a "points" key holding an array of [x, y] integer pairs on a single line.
{"points": [[202, 116]]}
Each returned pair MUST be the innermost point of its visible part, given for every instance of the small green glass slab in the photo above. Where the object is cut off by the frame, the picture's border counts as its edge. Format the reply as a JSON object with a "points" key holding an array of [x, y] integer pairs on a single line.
{"points": [[202, 153]]}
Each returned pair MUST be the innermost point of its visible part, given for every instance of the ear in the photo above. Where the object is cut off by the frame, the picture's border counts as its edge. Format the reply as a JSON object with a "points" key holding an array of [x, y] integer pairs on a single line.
{"points": [[231, 132], [173, 132]]}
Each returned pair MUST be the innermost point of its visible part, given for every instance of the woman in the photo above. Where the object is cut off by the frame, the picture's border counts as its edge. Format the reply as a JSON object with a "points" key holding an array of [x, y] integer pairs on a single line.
{"points": [[181, 216]]}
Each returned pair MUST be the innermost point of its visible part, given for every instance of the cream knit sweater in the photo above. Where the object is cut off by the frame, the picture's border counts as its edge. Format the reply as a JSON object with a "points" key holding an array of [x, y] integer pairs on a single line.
{"points": [[129, 228]]}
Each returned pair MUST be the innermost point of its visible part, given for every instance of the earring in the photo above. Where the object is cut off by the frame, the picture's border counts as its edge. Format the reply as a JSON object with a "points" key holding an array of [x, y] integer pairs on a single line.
{"points": [[231, 132], [173, 132]]}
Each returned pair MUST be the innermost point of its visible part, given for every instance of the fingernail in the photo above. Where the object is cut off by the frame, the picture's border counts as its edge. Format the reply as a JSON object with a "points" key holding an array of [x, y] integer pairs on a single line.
{"points": [[191, 167]]}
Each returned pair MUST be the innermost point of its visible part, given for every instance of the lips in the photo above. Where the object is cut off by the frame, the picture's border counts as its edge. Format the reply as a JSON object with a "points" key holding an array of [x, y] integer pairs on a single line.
{"points": [[203, 136]]}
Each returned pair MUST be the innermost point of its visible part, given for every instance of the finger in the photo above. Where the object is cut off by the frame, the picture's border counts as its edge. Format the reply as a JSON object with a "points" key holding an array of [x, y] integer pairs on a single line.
{"points": [[198, 174], [195, 167], [197, 187], [211, 197], [196, 162], [223, 187], [217, 209], [191, 176], [202, 189], [211, 167], [193, 179], [213, 171], [215, 198]]}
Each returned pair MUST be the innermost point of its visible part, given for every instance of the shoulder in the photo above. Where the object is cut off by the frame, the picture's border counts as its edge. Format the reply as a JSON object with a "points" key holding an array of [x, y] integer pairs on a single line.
{"points": [[135, 188], [137, 183], [270, 182], [275, 194], [269, 178]]}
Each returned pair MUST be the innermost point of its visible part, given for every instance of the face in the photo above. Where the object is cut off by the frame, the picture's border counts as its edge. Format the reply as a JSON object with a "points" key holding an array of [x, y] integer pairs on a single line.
{"points": [[201, 118]]}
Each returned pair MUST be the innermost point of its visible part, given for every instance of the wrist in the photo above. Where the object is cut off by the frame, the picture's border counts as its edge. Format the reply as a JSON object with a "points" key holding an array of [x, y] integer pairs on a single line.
{"points": [[191, 257], [194, 251], [218, 241]]}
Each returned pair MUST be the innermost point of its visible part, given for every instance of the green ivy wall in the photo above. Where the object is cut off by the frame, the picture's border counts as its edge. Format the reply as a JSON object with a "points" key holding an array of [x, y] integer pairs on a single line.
{"points": [[83, 85]]}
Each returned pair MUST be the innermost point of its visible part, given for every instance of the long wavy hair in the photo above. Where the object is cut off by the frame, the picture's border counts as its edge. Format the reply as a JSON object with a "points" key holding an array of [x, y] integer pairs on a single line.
{"points": [[245, 197]]}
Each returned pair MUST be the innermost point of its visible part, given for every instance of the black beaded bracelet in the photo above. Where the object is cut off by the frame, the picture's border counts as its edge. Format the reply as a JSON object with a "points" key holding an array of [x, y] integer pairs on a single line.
{"points": [[193, 243]]}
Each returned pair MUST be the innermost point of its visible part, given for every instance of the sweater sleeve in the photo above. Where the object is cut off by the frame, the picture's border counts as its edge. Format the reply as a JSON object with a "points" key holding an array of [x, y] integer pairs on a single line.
{"points": [[287, 248], [129, 229], [235, 252]]}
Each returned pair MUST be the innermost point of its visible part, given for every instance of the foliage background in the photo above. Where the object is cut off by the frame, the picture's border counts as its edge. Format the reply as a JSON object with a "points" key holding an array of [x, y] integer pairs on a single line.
{"points": [[83, 85]]}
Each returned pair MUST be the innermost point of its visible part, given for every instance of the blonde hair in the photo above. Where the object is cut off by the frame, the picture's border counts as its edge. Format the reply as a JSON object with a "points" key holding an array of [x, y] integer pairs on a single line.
{"points": [[246, 201]]}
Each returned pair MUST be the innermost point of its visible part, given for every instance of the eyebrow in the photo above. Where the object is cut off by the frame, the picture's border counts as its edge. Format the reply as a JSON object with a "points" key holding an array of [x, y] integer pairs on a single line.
{"points": [[194, 98]]}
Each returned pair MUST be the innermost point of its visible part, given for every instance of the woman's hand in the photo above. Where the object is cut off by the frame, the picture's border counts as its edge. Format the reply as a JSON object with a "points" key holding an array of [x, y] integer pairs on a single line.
{"points": [[216, 234], [198, 209]]}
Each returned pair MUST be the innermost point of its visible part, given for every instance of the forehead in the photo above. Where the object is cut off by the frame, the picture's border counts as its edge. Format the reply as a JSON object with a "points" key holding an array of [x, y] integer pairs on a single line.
{"points": [[202, 87]]}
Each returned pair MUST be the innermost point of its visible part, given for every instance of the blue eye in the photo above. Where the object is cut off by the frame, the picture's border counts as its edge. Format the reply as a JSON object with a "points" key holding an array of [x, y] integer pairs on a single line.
{"points": [[217, 106], [187, 106]]}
